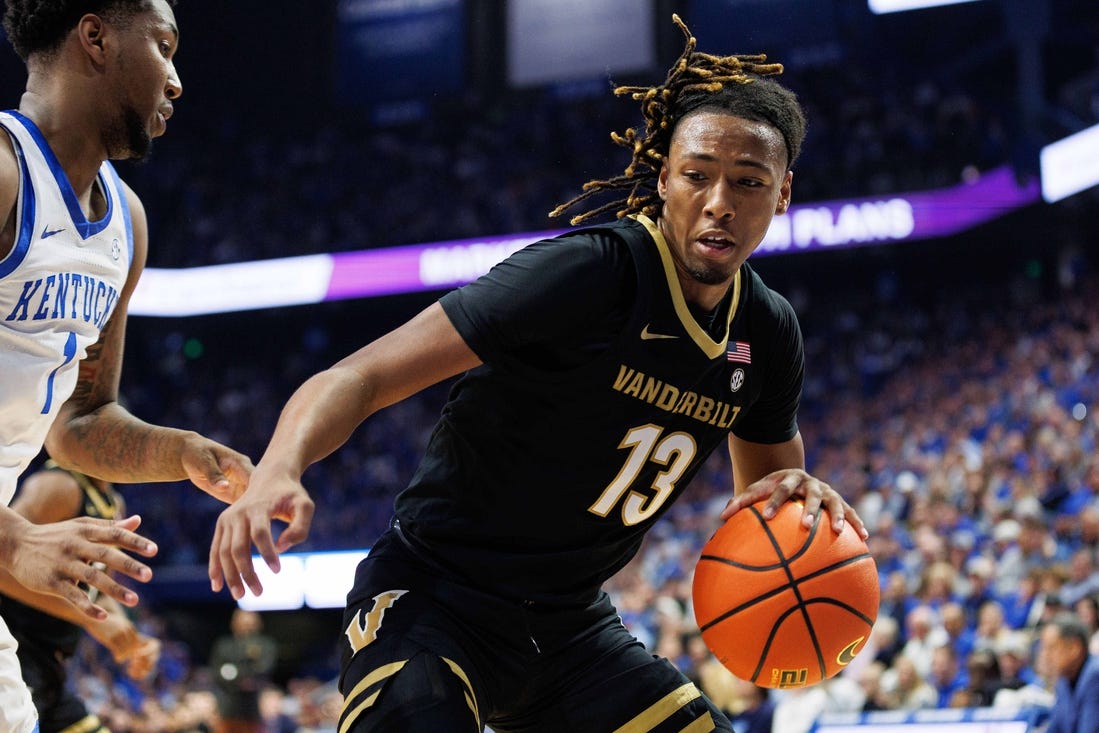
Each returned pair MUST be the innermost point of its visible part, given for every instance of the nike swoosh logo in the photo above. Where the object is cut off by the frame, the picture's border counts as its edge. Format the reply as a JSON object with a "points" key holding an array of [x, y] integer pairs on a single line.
{"points": [[47, 232], [647, 335], [848, 652]]}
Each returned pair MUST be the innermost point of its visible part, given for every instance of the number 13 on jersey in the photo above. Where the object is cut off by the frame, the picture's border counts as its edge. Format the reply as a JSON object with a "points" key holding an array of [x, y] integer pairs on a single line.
{"points": [[646, 443]]}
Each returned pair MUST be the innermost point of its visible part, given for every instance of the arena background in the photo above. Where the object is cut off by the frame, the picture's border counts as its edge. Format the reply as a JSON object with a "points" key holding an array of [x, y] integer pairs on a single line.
{"points": [[323, 126]]}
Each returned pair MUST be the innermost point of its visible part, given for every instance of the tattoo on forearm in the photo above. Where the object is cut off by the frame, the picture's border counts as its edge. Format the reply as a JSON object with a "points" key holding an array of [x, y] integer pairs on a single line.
{"points": [[102, 434]]}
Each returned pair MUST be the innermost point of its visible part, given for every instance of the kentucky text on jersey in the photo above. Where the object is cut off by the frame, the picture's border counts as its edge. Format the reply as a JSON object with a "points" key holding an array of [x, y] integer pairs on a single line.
{"points": [[673, 399], [65, 295]]}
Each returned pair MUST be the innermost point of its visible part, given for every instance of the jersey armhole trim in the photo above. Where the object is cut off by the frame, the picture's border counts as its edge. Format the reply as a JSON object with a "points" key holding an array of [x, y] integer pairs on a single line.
{"points": [[24, 213]]}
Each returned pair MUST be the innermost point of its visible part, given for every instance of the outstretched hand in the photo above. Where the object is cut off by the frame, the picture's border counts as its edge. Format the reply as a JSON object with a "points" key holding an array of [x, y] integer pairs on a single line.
{"points": [[140, 659], [54, 558], [221, 472], [248, 522], [780, 486], [135, 652]]}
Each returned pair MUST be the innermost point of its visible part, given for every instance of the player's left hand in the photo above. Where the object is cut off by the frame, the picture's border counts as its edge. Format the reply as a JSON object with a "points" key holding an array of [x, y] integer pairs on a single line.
{"points": [[780, 486], [221, 472]]}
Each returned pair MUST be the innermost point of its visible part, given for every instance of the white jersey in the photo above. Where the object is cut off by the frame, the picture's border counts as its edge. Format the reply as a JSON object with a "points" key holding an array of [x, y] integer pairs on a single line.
{"points": [[58, 286]]}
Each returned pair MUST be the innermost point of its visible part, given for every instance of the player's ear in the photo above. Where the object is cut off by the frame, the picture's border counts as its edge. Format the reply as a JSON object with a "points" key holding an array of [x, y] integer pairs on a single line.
{"points": [[784, 193], [662, 182], [90, 30]]}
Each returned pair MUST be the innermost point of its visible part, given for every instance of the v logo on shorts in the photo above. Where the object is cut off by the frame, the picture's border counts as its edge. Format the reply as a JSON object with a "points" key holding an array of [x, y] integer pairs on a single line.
{"points": [[363, 629]]}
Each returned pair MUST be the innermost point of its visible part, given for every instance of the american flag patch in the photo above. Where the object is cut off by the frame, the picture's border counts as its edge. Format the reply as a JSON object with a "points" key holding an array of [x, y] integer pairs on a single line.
{"points": [[740, 352]]}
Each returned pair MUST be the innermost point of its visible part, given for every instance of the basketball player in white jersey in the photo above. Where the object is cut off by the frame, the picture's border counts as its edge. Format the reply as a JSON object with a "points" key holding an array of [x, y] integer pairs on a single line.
{"points": [[73, 242]]}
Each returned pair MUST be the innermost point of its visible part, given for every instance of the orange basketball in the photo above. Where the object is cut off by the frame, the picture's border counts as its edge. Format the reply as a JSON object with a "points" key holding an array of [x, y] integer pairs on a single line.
{"points": [[781, 605]]}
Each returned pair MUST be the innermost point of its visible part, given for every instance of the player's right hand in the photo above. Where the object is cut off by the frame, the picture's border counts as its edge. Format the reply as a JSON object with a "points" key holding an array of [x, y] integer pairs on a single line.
{"points": [[55, 557], [271, 494]]}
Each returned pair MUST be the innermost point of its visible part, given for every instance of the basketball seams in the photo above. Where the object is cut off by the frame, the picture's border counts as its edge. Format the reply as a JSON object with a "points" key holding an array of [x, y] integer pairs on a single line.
{"points": [[781, 588], [771, 637], [845, 606], [803, 607], [756, 631], [744, 606]]}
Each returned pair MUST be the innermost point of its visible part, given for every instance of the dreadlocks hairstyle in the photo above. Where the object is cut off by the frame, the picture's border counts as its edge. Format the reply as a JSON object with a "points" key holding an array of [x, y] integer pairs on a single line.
{"points": [[41, 25], [732, 84]]}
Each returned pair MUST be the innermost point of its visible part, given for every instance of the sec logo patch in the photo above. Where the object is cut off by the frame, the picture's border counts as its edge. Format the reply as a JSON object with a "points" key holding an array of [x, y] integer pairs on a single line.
{"points": [[737, 380]]}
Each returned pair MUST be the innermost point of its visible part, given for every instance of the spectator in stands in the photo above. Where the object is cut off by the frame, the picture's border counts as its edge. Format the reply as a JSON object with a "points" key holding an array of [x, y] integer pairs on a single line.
{"points": [[981, 680], [242, 663], [958, 633], [1064, 640], [753, 710], [991, 629], [875, 696], [947, 675], [979, 581], [1023, 607], [1011, 565], [1013, 656], [1087, 608], [1083, 577], [273, 711], [923, 633], [907, 688]]}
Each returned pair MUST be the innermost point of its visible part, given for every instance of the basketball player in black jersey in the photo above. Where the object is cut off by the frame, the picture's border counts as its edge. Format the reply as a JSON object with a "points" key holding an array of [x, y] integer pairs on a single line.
{"points": [[601, 369], [48, 628]]}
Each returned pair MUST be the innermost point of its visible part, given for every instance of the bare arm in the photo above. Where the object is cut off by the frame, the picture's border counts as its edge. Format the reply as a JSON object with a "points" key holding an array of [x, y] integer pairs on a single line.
{"points": [[94, 434], [762, 470], [319, 417]]}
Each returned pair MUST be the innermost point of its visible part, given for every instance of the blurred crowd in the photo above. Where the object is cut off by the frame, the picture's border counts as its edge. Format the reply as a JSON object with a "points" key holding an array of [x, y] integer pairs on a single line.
{"points": [[962, 427], [477, 166]]}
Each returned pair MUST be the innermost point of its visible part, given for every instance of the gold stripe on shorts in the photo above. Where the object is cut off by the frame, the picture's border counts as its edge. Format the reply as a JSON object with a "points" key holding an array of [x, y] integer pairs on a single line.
{"points": [[471, 699], [705, 724], [663, 709], [349, 716], [89, 724]]}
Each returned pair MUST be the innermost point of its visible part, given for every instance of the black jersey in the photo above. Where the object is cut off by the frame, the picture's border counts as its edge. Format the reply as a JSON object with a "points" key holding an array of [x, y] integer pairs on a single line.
{"points": [[599, 398], [33, 627]]}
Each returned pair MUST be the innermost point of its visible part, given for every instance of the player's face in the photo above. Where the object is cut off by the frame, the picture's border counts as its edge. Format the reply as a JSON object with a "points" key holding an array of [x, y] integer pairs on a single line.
{"points": [[723, 181], [146, 79]]}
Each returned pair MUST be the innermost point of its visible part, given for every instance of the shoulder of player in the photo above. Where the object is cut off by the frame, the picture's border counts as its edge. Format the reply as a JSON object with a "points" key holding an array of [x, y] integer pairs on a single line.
{"points": [[586, 251], [756, 291], [594, 238], [49, 496]]}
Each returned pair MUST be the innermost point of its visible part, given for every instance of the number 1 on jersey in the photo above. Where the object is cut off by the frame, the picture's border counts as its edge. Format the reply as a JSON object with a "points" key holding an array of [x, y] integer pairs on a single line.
{"points": [[70, 352], [646, 444]]}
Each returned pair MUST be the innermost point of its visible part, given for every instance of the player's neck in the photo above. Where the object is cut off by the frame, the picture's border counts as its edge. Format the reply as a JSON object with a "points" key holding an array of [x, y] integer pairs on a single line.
{"points": [[71, 135]]}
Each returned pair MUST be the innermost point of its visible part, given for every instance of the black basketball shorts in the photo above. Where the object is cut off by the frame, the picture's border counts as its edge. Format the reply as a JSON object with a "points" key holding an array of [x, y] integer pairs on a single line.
{"points": [[425, 654]]}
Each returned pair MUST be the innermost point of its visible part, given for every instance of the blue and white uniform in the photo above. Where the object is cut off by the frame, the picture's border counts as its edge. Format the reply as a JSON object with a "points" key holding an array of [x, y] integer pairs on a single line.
{"points": [[58, 287]]}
